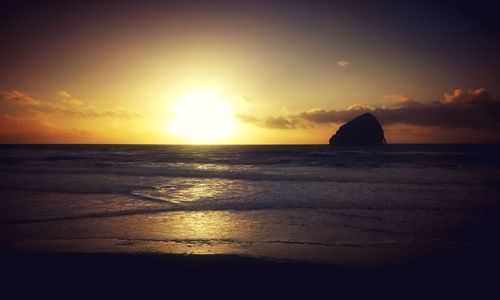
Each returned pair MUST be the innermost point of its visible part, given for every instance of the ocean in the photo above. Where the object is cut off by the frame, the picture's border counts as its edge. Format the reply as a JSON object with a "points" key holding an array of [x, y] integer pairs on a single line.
{"points": [[358, 206]]}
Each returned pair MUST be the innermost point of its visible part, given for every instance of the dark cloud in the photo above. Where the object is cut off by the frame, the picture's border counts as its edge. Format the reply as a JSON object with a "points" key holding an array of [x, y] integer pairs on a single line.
{"points": [[460, 109], [334, 116], [279, 122]]}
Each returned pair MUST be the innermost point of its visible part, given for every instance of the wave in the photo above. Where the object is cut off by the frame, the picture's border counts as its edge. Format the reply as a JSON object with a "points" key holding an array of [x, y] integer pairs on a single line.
{"points": [[252, 243], [104, 156], [235, 207]]}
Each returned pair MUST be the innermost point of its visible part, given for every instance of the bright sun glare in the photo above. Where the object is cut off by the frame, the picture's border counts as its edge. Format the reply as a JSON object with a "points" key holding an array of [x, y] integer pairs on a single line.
{"points": [[203, 117]]}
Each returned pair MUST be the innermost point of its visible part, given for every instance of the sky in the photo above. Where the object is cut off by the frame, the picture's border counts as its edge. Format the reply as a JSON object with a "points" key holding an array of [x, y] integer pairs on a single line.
{"points": [[247, 72]]}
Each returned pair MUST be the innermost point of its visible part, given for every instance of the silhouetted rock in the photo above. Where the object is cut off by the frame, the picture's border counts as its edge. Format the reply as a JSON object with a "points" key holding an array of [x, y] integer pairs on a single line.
{"points": [[364, 130]]}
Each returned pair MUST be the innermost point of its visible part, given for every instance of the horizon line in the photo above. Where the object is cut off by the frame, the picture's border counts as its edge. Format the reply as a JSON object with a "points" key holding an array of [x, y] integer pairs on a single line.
{"points": [[267, 144]]}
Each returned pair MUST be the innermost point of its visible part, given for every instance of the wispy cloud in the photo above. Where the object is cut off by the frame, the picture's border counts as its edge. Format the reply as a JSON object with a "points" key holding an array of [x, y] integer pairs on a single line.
{"points": [[37, 129], [65, 103], [25, 119], [18, 97], [343, 63]]}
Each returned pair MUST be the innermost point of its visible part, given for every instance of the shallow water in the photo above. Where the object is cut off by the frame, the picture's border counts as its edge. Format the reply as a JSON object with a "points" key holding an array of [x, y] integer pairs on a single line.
{"points": [[373, 205]]}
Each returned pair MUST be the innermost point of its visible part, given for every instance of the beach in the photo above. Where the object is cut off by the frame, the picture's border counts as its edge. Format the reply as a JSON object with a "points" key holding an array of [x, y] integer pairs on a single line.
{"points": [[406, 216], [467, 273], [249, 149]]}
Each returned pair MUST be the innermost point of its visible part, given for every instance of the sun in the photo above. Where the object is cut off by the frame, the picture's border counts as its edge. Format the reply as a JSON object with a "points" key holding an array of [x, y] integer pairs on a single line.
{"points": [[203, 117]]}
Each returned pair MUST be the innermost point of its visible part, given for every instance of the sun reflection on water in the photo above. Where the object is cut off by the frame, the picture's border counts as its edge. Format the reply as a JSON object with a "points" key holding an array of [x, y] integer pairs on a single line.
{"points": [[196, 223], [205, 225], [207, 230], [212, 167], [191, 190], [204, 232]]}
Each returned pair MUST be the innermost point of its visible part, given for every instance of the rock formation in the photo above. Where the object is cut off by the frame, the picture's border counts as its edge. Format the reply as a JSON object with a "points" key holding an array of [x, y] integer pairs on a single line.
{"points": [[364, 130]]}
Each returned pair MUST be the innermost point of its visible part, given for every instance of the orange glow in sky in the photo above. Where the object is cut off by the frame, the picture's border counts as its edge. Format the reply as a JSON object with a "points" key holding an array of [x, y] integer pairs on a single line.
{"points": [[238, 73]]}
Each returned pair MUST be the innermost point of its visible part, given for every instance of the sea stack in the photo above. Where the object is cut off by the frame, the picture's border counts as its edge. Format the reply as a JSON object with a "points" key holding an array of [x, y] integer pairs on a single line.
{"points": [[364, 130]]}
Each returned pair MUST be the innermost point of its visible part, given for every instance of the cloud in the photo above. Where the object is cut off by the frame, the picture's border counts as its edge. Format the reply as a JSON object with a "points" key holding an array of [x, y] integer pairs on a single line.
{"points": [[247, 119], [474, 109], [68, 104], [67, 99], [25, 119], [461, 109], [18, 98], [462, 97], [395, 97], [342, 63], [93, 112], [65, 103], [246, 98], [397, 100], [36, 129], [63, 94], [334, 116], [279, 122], [406, 133]]}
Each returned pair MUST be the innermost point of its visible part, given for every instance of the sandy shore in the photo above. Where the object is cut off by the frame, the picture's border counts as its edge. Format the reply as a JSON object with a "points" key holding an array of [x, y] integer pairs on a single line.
{"points": [[60, 273], [470, 270]]}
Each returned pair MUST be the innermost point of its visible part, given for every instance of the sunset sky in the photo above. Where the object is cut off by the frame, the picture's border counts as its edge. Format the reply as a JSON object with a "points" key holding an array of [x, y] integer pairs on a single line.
{"points": [[237, 72]]}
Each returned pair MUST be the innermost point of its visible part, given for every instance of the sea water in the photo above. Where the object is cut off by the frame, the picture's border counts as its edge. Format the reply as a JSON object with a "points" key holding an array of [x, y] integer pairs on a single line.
{"points": [[354, 205]]}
